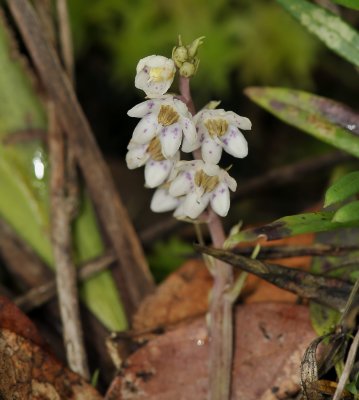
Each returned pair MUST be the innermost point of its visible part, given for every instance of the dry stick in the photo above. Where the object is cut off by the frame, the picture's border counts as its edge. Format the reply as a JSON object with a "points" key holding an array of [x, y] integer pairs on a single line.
{"points": [[65, 38], [39, 295], [221, 305], [134, 279], [277, 176], [347, 368], [66, 279]]}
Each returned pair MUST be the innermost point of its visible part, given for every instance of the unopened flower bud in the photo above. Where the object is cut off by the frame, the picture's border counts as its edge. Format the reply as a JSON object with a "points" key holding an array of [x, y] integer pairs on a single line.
{"points": [[193, 47], [180, 55], [187, 70]]}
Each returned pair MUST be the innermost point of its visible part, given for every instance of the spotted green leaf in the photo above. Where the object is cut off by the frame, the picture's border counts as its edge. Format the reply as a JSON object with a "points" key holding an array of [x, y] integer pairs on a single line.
{"points": [[347, 213], [320, 117], [289, 226], [328, 27], [344, 187]]}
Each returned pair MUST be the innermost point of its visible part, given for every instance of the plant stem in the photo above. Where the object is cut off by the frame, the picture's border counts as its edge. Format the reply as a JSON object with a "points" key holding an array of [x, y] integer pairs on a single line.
{"points": [[221, 306]]}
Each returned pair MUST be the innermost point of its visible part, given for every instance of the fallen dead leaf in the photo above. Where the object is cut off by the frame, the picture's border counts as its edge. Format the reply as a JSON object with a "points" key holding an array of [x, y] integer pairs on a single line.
{"points": [[270, 341], [27, 369]]}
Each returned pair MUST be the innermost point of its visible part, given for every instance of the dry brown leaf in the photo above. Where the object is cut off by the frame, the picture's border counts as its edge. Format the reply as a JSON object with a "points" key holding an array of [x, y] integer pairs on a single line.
{"points": [[270, 341], [27, 369], [183, 295]]}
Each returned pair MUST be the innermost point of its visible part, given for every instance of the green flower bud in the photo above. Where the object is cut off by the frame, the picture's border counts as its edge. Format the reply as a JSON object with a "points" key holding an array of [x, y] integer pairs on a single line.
{"points": [[180, 55], [187, 70], [193, 47]]}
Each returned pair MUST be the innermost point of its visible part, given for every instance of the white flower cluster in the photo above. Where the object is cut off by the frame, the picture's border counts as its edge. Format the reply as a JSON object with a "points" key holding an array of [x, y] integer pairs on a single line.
{"points": [[165, 127]]}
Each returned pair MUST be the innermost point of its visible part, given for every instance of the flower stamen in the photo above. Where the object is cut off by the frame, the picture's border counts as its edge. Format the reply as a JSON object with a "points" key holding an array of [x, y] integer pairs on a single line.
{"points": [[167, 115], [155, 150], [206, 182], [216, 127]]}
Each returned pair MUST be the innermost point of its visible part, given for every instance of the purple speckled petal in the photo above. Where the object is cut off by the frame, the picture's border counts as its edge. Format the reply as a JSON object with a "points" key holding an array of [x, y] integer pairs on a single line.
{"points": [[162, 201], [144, 108], [189, 130], [211, 150], [183, 184], [170, 137], [145, 129], [237, 120], [156, 172], [220, 200], [234, 143], [188, 146]]}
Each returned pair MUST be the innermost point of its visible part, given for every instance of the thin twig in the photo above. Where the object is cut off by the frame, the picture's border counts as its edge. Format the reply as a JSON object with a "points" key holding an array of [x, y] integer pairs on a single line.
{"points": [[39, 295], [66, 279], [347, 368], [221, 306], [65, 38], [134, 279]]}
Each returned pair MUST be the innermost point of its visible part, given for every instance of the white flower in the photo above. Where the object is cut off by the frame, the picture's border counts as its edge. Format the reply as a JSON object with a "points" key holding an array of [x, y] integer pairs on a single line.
{"points": [[217, 130], [166, 118], [201, 184], [157, 167], [155, 75]]}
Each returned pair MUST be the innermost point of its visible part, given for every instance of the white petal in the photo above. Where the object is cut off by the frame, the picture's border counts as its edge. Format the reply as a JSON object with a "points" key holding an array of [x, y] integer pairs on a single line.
{"points": [[163, 202], [182, 184], [188, 146], [136, 156], [142, 109], [234, 143], [170, 137], [193, 205], [156, 172], [237, 120], [211, 169], [179, 211], [145, 129], [220, 200], [189, 130], [211, 151]]}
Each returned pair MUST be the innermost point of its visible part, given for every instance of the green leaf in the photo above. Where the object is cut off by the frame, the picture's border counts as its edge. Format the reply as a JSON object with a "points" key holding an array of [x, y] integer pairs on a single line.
{"points": [[310, 113], [289, 226], [329, 28], [354, 4], [344, 187], [348, 213], [323, 318]]}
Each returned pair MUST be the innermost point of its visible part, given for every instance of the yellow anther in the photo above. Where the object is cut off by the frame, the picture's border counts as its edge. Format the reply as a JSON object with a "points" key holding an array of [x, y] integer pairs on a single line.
{"points": [[167, 116], [216, 127]]}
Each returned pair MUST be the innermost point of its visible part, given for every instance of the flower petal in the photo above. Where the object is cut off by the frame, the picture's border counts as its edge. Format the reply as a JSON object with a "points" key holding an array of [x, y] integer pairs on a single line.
{"points": [[211, 151], [189, 130], [237, 120], [170, 137], [145, 129], [144, 108], [193, 205], [136, 156], [220, 200], [156, 172], [188, 146], [234, 143], [162, 201], [182, 184]]}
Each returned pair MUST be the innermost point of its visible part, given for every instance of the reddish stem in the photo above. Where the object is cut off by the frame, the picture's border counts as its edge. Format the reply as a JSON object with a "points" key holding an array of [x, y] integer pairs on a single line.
{"points": [[220, 308]]}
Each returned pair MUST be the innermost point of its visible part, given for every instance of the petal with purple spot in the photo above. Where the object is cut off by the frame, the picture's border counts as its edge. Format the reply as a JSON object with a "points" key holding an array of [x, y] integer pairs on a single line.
{"points": [[234, 143], [193, 205], [220, 200], [211, 151], [145, 129], [188, 129], [170, 137], [156, 172], [136, 156], [183, 184]]}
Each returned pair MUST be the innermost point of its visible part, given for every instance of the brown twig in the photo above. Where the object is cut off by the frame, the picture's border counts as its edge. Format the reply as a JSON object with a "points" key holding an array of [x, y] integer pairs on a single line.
{"points": [[66, 279], [65, 38], [134, 280], [221, 306], [39, 295]]}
